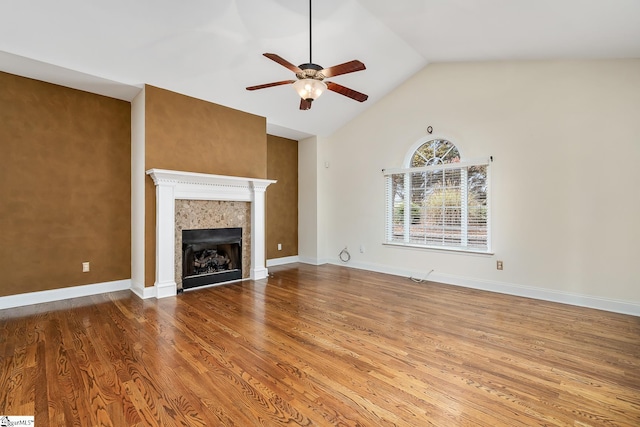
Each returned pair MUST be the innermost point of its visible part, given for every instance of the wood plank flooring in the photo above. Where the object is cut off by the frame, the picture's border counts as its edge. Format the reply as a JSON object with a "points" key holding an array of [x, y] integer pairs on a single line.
{"points": [[320, 346]]}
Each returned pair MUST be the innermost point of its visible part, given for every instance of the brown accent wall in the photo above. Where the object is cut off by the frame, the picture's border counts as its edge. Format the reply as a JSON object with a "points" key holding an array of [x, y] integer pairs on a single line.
{"points": [[282, 197], [189, 134], [65, 186]]}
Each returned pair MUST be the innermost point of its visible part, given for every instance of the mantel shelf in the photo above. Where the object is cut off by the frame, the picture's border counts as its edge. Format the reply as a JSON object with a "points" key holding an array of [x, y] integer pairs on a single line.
{"points": [[171, 177]]}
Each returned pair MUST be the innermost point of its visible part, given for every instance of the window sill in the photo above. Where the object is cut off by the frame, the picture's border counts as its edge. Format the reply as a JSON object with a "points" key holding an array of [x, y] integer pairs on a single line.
{"points": [[439, 248]]}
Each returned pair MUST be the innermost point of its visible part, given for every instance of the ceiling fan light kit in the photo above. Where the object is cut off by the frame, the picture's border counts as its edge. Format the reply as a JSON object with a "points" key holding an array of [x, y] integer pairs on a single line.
{"points": [[309, 89], [310, 77]]}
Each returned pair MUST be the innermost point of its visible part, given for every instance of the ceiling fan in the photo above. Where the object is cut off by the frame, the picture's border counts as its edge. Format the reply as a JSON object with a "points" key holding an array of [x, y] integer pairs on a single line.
{"points": [[310, 77]]}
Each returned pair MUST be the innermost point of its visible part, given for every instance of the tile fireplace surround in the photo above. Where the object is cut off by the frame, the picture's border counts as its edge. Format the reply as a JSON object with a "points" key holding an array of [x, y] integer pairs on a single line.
{"points": [[176, 185]]}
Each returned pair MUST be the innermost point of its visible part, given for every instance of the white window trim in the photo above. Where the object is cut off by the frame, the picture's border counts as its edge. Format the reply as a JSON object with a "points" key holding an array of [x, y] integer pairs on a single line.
{"points": [[438, 248], [466, 163], [457, 165]]}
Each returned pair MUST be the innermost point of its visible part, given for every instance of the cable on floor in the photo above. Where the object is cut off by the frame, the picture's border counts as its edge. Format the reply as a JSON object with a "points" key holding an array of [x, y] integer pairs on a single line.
{"points": [[345, 256], [424, 279]]}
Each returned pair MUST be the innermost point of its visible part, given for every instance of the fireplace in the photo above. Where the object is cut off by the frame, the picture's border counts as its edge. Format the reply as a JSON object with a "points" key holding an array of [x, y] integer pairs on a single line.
{"points": [[179, 185], [211, 256]]}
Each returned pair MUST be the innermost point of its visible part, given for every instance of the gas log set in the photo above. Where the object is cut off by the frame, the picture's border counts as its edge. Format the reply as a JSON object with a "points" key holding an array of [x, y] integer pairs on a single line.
{"points": [[210, 261]]}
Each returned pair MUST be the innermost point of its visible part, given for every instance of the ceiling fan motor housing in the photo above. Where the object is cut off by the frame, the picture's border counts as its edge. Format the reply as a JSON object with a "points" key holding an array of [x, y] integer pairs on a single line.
{"points": [[310, 71]]}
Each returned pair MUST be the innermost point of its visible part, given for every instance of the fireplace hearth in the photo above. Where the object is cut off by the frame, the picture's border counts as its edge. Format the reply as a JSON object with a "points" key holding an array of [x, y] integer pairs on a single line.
{"points": [[211, 256]]}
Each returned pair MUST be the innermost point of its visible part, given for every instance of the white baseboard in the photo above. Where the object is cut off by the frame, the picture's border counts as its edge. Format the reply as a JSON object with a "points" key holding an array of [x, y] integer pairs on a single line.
{"points": [[312, 261], [165, 289], [258, 273], [581, 300], [143, 292], [30, 298], [281, 261]]}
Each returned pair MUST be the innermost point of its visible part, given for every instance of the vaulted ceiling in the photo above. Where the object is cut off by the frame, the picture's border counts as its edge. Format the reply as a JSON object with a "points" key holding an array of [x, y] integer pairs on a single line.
{"points": [[212, 49]]}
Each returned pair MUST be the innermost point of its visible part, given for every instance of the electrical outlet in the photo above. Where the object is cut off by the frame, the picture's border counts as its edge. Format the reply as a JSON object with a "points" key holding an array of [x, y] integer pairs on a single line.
{"points": [[499, 265], [85, 267], [279, 246]]}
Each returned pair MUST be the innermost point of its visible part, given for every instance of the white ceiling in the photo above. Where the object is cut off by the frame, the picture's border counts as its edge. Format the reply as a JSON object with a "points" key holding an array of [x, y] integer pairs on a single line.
{"points": [[212, 49]]}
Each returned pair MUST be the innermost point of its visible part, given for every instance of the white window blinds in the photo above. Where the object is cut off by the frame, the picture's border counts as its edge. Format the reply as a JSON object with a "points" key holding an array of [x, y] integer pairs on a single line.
{"points": [[443, 206]]}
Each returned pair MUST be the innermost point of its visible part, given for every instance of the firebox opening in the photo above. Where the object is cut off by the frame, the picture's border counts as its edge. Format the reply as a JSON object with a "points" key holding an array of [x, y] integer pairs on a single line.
{"points": [[211, 256]]}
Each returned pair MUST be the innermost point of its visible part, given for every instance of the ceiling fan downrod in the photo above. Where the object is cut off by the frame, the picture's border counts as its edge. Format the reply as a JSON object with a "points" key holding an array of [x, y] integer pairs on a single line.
{"points": [[310, 44]]}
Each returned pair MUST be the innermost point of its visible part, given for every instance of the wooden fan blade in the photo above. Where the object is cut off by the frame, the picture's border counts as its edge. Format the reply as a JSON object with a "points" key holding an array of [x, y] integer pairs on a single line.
{"points": [[305, 105], [283, 62], [283, 82], [347, 67], [353, 94]]}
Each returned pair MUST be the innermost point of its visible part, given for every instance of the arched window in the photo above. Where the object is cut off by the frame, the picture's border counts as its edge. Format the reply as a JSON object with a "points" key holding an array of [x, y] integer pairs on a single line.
{"points": [[440, 201], [434, 152]]}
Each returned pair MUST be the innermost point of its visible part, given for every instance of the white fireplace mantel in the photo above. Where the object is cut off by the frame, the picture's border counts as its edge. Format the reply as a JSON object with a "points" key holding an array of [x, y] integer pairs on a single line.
{"points": [[177, 185]]}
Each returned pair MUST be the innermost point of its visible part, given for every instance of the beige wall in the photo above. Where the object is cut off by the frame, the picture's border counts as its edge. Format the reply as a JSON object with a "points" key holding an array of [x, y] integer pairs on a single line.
{"points": [[64, 187], [188, 134], [565, 204], [282, 197]]}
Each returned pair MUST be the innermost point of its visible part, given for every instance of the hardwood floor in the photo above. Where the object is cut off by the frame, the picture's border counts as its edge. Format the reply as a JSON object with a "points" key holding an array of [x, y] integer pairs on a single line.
{"points": [[320, 346]]}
